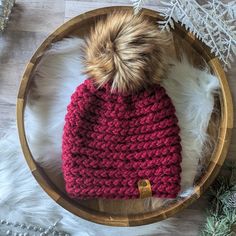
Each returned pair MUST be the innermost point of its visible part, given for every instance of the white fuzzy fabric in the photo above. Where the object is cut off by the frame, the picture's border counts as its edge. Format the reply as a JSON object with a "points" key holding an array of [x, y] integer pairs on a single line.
{"points": [[56, 78], [192, 92]]}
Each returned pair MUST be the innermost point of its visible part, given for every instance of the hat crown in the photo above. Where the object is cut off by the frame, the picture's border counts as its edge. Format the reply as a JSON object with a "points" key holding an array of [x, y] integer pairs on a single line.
{"points": [[111, 141]]}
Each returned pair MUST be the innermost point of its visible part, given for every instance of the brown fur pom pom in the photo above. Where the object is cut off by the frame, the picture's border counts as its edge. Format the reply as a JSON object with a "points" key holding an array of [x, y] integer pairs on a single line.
{"points": [[126, 51]]}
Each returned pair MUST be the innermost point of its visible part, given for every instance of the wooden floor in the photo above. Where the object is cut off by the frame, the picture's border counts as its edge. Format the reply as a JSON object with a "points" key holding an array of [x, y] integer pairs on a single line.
{"points": [[30, 24]]}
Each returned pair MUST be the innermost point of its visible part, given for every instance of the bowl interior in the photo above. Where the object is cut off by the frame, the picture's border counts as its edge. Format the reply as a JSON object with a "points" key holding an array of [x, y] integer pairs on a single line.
{"points": [[137, 207]]}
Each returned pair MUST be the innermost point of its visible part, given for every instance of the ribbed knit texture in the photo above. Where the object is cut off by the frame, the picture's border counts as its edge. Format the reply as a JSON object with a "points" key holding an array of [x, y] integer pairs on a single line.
{"points": [[113, 140]]}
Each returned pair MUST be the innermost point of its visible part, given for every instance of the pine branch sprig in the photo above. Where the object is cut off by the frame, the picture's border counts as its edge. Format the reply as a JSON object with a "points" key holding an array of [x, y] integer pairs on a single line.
{"points": [[221, 219]]}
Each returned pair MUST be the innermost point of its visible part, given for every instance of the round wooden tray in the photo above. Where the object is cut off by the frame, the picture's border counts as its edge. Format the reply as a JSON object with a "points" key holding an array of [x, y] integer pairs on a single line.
{"points": [[117, 212]]}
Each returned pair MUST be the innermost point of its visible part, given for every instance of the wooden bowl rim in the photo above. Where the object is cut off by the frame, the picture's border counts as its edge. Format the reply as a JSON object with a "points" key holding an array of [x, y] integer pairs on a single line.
{"points": [[134, 219]]}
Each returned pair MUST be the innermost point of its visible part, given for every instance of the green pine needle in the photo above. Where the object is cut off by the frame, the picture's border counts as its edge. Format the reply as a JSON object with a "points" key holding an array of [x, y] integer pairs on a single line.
{"points": [[221, 217]]}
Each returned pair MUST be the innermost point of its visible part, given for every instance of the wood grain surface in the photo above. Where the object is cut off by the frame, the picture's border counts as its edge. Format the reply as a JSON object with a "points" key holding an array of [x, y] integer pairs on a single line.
{"points": [[30, 23]]}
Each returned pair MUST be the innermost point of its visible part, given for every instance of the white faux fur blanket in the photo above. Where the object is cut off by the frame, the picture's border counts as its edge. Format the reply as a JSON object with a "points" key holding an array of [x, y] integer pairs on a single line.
{"points": [[55, 79]]}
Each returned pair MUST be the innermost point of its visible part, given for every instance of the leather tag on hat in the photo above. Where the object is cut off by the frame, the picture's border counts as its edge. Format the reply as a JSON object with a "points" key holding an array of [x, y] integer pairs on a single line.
{"points": [[145, 189]]}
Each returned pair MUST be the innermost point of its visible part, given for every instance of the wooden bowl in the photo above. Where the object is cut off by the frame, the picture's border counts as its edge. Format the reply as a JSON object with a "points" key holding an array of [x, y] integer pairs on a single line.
{"points": [[131, 212]]}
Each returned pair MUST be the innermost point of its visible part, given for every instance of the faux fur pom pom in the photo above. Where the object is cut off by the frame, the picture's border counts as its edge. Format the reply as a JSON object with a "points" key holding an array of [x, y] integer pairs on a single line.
{"points": [[125, 51]]}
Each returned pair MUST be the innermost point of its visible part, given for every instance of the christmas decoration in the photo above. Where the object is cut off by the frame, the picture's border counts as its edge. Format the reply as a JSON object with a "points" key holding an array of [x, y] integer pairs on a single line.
{"points": [[221, 219], [22, 229], [5, 11], [213, 23]]}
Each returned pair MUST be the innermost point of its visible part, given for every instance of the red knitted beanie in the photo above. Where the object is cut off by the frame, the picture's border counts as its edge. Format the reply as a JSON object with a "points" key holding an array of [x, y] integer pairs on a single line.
{"points": [[120, 128]]}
